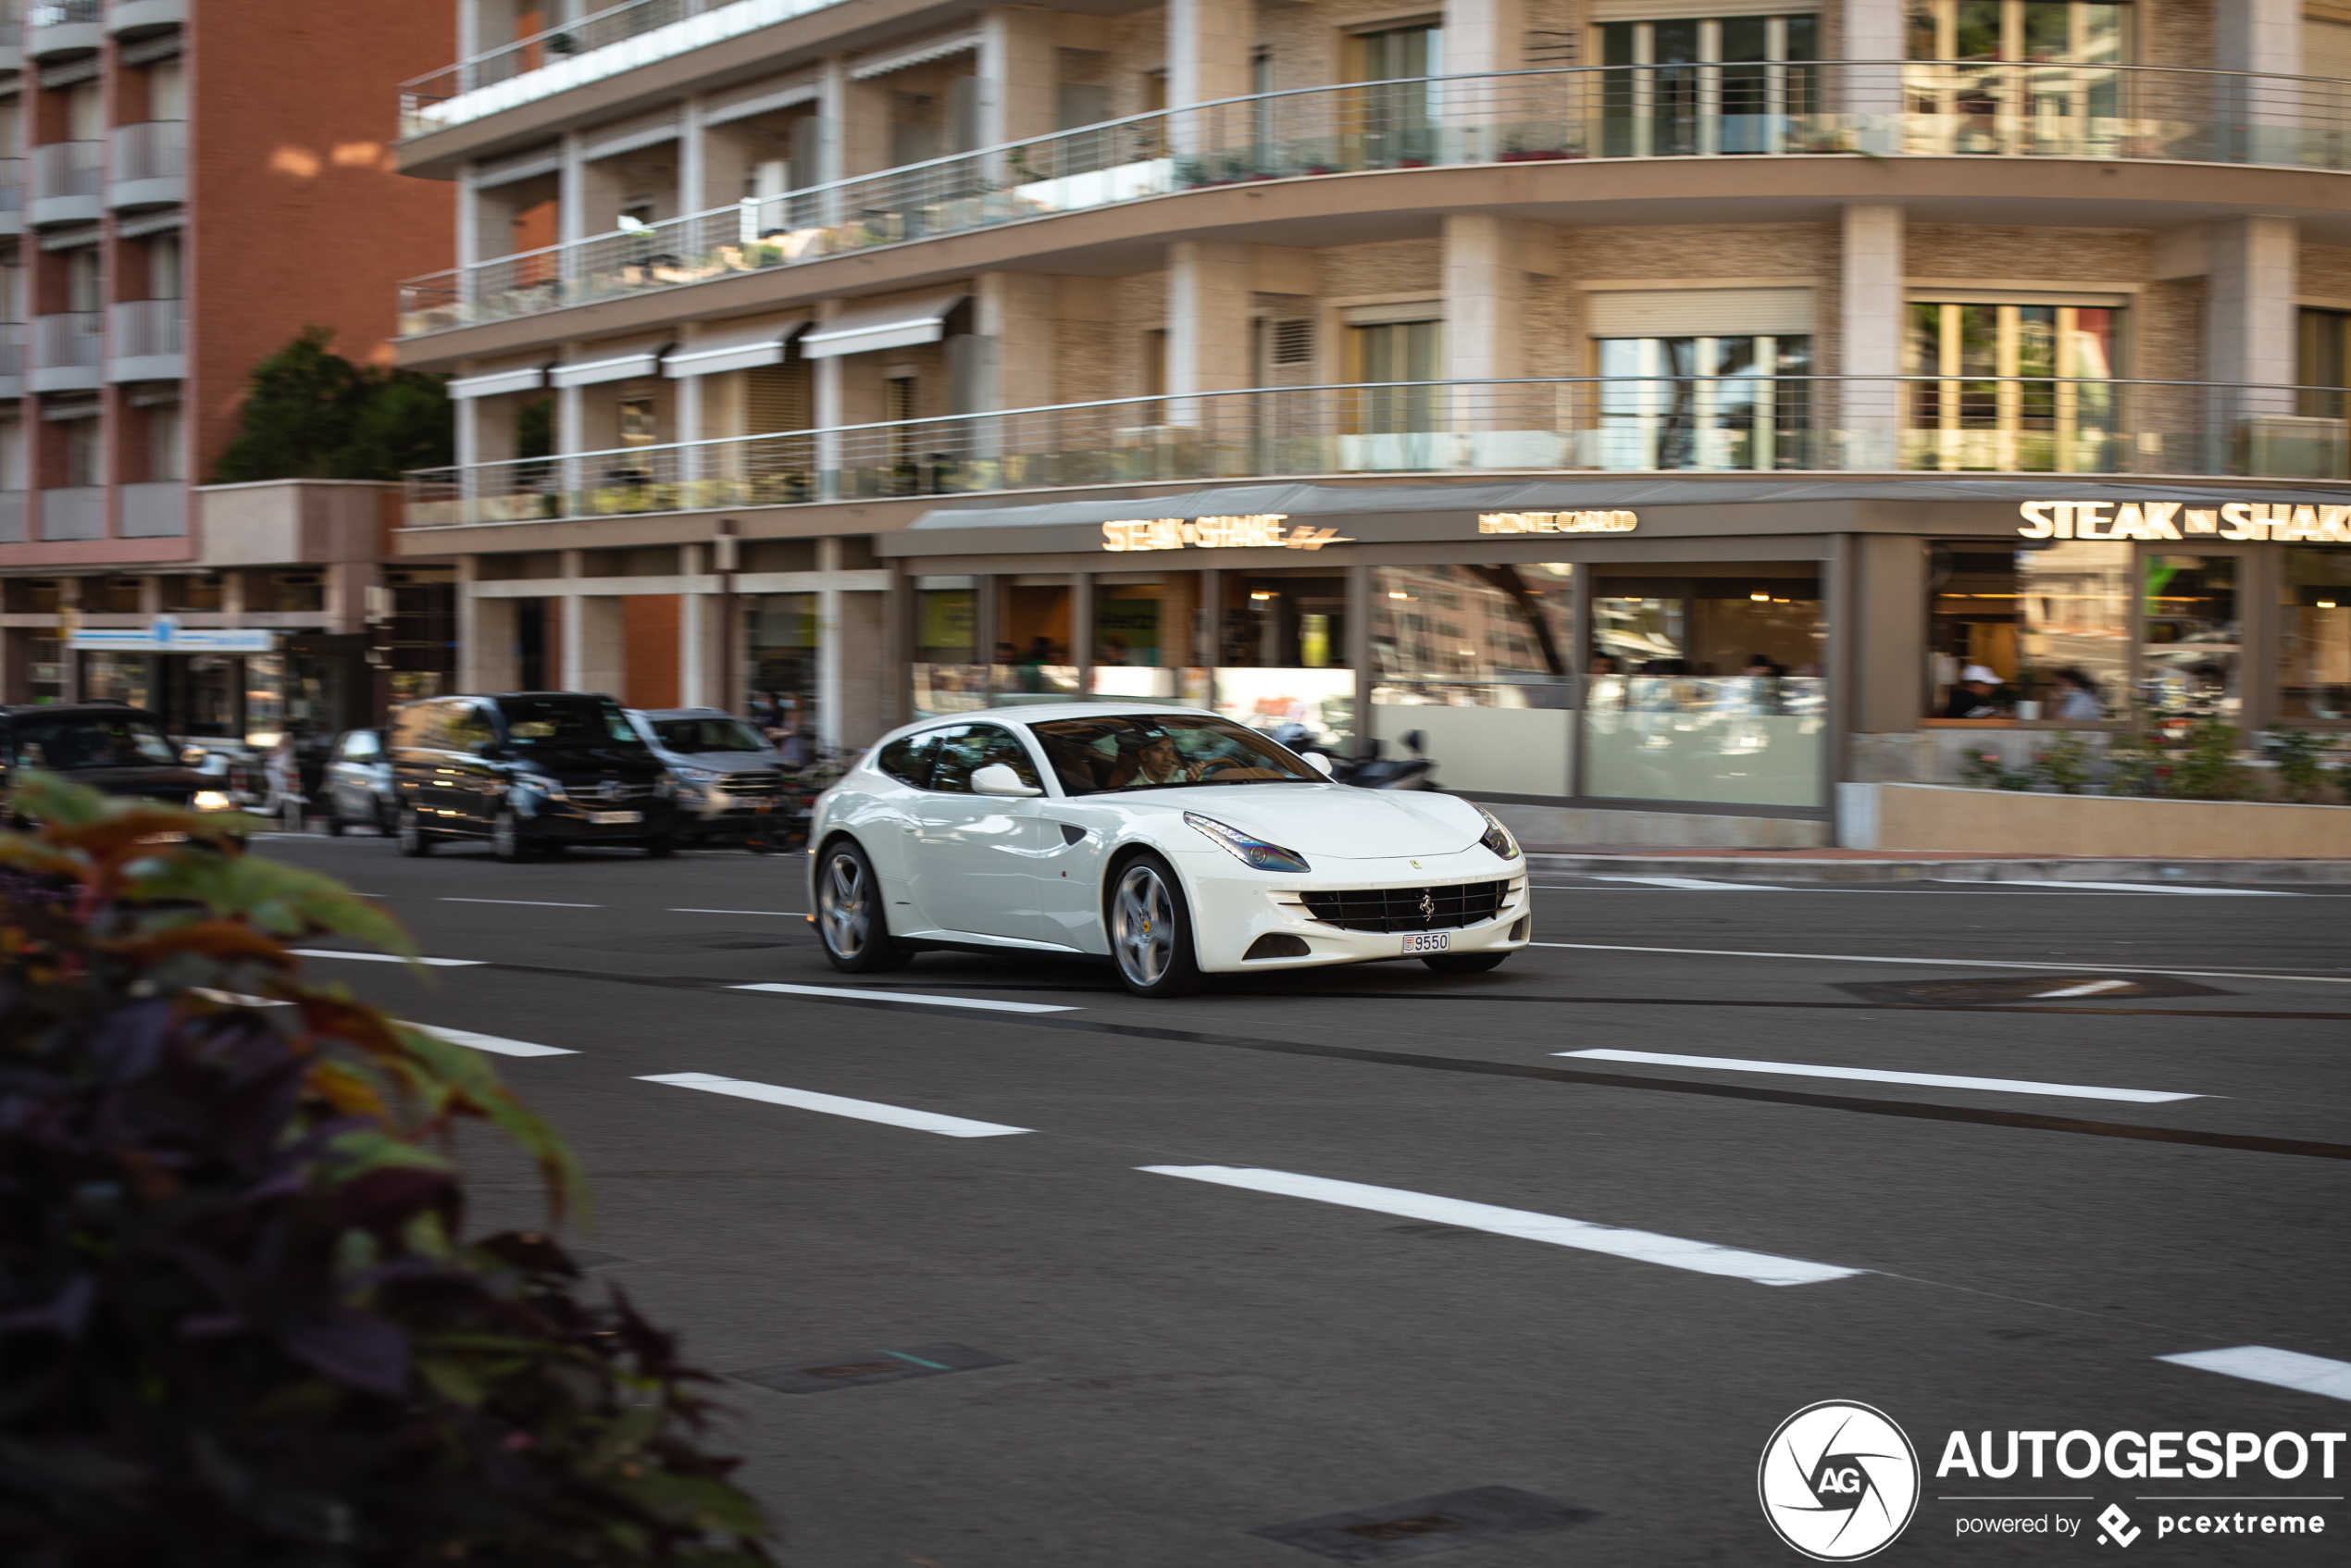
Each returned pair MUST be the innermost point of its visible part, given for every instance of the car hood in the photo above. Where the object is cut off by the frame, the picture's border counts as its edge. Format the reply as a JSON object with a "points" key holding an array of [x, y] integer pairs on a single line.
{"points": [[1330, 821]]}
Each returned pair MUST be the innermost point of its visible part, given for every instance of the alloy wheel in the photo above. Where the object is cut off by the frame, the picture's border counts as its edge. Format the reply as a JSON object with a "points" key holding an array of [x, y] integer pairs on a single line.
{"points": [[1143, 925], [845, 903]]}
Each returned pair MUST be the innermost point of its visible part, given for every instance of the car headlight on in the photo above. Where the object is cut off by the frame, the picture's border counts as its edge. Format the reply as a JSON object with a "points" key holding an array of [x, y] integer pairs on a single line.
{"points": [[1497, 837], [212, 799], [1255, 854]]}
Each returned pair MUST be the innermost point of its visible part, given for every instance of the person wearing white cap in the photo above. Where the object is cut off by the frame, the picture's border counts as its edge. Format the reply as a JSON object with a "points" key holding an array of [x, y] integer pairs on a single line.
{"points": [[1971, 696]]}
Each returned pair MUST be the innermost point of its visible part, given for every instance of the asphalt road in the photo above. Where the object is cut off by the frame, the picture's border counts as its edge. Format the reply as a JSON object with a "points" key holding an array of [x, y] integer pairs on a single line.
{"points": [[1308, 1247]]}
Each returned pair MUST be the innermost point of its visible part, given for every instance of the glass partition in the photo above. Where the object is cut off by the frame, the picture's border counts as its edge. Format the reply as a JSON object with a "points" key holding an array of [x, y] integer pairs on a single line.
{"points": [[948, 675], [1707, 689], [2191, 636], [781, 670], [2314, 647], [1475, 660], [2035, 632], [1034, 660]]}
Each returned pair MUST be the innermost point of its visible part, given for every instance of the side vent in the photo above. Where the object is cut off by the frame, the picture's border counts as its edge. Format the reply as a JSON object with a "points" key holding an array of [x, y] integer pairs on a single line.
{"points": [[1277, 944], [1293, 342]]}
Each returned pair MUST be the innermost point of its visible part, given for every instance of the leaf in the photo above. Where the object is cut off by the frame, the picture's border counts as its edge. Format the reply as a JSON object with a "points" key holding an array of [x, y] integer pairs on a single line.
{"points": [[287, 901], [353, 1348]]}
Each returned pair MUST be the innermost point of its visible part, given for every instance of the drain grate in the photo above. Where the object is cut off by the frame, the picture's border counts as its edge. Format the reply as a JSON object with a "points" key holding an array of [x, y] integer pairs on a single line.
{"points": [[2035, 987], [1427, 1525], [869, 1367]]}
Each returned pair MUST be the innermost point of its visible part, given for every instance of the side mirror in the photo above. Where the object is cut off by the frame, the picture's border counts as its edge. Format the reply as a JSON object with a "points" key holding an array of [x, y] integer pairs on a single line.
{"points": [[1417, 742], [1319, 763], [998, 778]]}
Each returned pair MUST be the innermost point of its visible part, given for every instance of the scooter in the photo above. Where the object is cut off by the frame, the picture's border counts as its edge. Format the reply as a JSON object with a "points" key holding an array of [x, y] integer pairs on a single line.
{"points": [[1374, 770]]}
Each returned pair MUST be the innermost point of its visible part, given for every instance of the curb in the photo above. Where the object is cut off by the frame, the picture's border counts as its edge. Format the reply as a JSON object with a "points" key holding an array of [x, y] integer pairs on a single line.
{"points": [[1794, 867]]}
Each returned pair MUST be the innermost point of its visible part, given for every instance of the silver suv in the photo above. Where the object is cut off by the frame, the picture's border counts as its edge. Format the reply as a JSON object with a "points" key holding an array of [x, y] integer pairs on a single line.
{"points": [[728, 781]]}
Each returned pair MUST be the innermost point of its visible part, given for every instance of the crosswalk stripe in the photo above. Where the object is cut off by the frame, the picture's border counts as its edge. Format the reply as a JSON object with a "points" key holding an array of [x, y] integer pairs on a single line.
{"points": [[905, 996], [1882, 1076], [2284, 1369], [1644, 1246], [495, 1044], [835, 1105]]}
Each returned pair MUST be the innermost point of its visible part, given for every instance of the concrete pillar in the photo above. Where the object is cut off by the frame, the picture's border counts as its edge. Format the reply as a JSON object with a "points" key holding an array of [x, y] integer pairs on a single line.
{"points": [[2249, 314], [2263, 37], [693, 158], [1209, 291], [595, 644], [468, 217], [1019, 72], [827, 395], [486, 659], [1872, 97], [865, 702], [1209, 46], [2258, 35], [1869, 324], [571, 193], [1486, 333], [831, 661], [832, 114], [1017, 312]]}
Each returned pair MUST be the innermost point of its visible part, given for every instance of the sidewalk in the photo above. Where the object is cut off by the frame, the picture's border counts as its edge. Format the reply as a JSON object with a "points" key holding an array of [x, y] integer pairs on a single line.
{"points": [[1901, 866]]}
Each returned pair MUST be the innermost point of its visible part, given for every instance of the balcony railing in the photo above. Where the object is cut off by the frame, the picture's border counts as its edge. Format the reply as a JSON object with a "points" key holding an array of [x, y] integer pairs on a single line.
{"points": [[11, 351], [420, 99], [152, 149], [66, 168], [67, 340], [1911, 109], [11, 185], [62, 13], [1974, 425], [144, 328]]}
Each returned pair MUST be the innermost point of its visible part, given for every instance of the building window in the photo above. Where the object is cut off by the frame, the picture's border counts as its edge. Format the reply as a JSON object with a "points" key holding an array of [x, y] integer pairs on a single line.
{"points": [[2323, 359], [2036, 78], [1383, 360], [2314, 648], [2018, 387], [1705, 401], [2029, 633], [2191, 636], [163, 442], [297, 592], [86, 280], [84, 453], [1397, 119], [192, 591], [1699, 84]]}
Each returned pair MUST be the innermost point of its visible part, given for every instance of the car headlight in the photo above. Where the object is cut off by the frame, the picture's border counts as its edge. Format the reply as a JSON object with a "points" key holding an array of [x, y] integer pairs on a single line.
{"points": [[546, 786], [212, 799], [1255, 854], [1497, 837]]}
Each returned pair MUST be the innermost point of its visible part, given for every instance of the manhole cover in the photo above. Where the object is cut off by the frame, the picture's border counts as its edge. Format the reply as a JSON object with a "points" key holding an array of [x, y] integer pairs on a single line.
{"points": [[1427, 1525], [2038, 988], [863, 1367]]}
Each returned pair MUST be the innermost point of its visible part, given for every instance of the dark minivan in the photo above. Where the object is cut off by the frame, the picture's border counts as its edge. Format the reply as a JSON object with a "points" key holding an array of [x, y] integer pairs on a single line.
{"points": [[109, 746], [529, 771]]}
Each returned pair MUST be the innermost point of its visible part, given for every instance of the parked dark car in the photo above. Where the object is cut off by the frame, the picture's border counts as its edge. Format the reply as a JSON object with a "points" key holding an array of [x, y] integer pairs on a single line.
{"points": [[529, 771], [357, 790], [109, 746], [726, 772]]}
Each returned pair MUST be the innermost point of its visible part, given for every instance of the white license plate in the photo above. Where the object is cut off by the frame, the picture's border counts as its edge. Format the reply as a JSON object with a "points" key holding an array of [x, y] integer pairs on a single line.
{"points": [[1427, 942], [608, 818]]}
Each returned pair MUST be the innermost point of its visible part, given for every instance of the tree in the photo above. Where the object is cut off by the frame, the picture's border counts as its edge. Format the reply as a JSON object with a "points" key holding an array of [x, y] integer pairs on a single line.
{"points": [[310, 414], [241, 1321]]}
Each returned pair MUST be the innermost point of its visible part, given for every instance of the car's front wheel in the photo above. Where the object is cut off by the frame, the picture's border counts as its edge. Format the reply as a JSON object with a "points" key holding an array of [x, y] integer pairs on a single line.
{"points": [[414, 840], [1151, 930], [850, 920], [507, 841]]}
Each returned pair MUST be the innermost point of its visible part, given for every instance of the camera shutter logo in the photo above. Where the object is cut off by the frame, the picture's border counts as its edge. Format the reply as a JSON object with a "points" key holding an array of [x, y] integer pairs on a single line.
{"points": [[1838, 1481]]}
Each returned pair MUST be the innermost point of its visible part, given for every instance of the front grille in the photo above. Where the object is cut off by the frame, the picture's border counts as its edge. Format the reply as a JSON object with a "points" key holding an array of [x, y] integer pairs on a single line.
{"points": [[1408, 909], [752, 786]]}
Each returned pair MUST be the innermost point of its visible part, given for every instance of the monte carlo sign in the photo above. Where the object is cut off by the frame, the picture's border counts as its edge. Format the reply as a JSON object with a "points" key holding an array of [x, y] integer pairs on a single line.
{"points": [[2177, 519]]}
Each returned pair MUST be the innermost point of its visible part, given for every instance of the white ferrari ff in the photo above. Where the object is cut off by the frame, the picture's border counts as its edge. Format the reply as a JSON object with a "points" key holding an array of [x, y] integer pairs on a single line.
{"points": [[1176, 842]]}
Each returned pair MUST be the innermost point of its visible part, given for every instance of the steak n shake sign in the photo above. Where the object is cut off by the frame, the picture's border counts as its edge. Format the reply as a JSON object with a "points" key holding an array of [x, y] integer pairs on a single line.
{"points": [[2177, 519]]}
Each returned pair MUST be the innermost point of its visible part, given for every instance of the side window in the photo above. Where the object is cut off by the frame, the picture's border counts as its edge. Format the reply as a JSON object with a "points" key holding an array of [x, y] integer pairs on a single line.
{"points": [[965, 750], [907, 759], [413, 725], [359, 746], [466, 726]]}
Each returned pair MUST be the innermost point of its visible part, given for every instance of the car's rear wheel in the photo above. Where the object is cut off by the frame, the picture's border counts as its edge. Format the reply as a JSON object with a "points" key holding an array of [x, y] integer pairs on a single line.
{"points": [[414, 840], [1463, 963], [850, 920], [335, 821], [507, 841], [1151, 930]]}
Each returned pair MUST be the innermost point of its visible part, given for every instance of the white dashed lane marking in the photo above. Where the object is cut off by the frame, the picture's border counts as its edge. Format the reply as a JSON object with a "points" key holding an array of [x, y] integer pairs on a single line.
{"points": [[1643, 1246], [782, 913], [534, 903], [386, 958], [1933, 963], [2284, 1369], [2150, 888], [905, 996], [1882, 1076], [1694, 882], [834, 1106], [496, 1044]]}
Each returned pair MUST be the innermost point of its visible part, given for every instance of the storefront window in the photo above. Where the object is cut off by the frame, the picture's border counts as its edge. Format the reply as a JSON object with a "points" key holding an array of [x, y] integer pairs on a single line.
{"points": [[780, 668], [1704, 403], [120, 678], [2314, 648], [1033, 663], [2189, 664], [2028, 633], [45, 670], [948, 676], [1282, 655], [1707, 689], [1475, 659], [265, 700], [2020, 388]]}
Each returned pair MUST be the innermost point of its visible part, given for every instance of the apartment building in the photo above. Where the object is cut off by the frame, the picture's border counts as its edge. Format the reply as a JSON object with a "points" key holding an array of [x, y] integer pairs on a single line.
{"points": [[1669, 410], [185, 187]]}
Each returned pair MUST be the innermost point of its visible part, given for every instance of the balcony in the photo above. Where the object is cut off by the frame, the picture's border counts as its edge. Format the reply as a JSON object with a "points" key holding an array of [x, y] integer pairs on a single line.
{"points": [[11, 197], [75, 512], [11, 359], [149, 164], [65, 352], [12, 58], [65, 183], [128, 20], [1583, 425], [1864, 110], [145, 342], [55, 29]]}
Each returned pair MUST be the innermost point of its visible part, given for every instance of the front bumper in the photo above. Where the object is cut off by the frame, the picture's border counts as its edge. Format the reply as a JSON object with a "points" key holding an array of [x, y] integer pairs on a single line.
{"points": [[1233, 906]]}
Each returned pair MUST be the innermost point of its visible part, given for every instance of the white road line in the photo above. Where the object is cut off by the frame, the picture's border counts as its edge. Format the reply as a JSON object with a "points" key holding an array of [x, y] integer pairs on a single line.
{"points": [[2142, 888], [386, 958], [2095, 987], [236, 999], [785, 914], [1882, 1076], [1644, 1246], [492, 1043], [1955, 962], [535, 903], [1691, 882], [2286, 1369], [834, 1106], [905, 996]]}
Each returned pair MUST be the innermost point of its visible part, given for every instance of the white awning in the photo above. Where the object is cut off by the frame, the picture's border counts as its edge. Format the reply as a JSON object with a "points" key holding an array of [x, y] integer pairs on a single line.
{"points": [[891, 321], [497, 383], [623, 359], [735, 345], [920, 54]]}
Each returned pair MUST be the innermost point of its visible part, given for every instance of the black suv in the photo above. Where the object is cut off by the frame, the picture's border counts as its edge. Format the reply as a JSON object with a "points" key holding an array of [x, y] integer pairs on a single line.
{"points": [[529, 771], [109, 746]]}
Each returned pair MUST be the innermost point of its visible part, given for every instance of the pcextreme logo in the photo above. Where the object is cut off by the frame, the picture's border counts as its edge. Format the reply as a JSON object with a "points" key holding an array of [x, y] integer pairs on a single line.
{"points": [[1840, 1481]]}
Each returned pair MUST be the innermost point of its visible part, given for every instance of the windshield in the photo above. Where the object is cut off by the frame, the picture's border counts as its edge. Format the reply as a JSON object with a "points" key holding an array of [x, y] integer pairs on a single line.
{"points": [[91, 741], [708, 735], [541, 722], [1094, 757]]}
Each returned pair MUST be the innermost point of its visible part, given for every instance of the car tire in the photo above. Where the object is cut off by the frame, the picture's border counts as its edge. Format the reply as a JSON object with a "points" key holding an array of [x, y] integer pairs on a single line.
{"points": [[661, 849], [1151, 930], [414, 840], [508, 842], [334, 824], [850, 921], [1464, 963]]}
